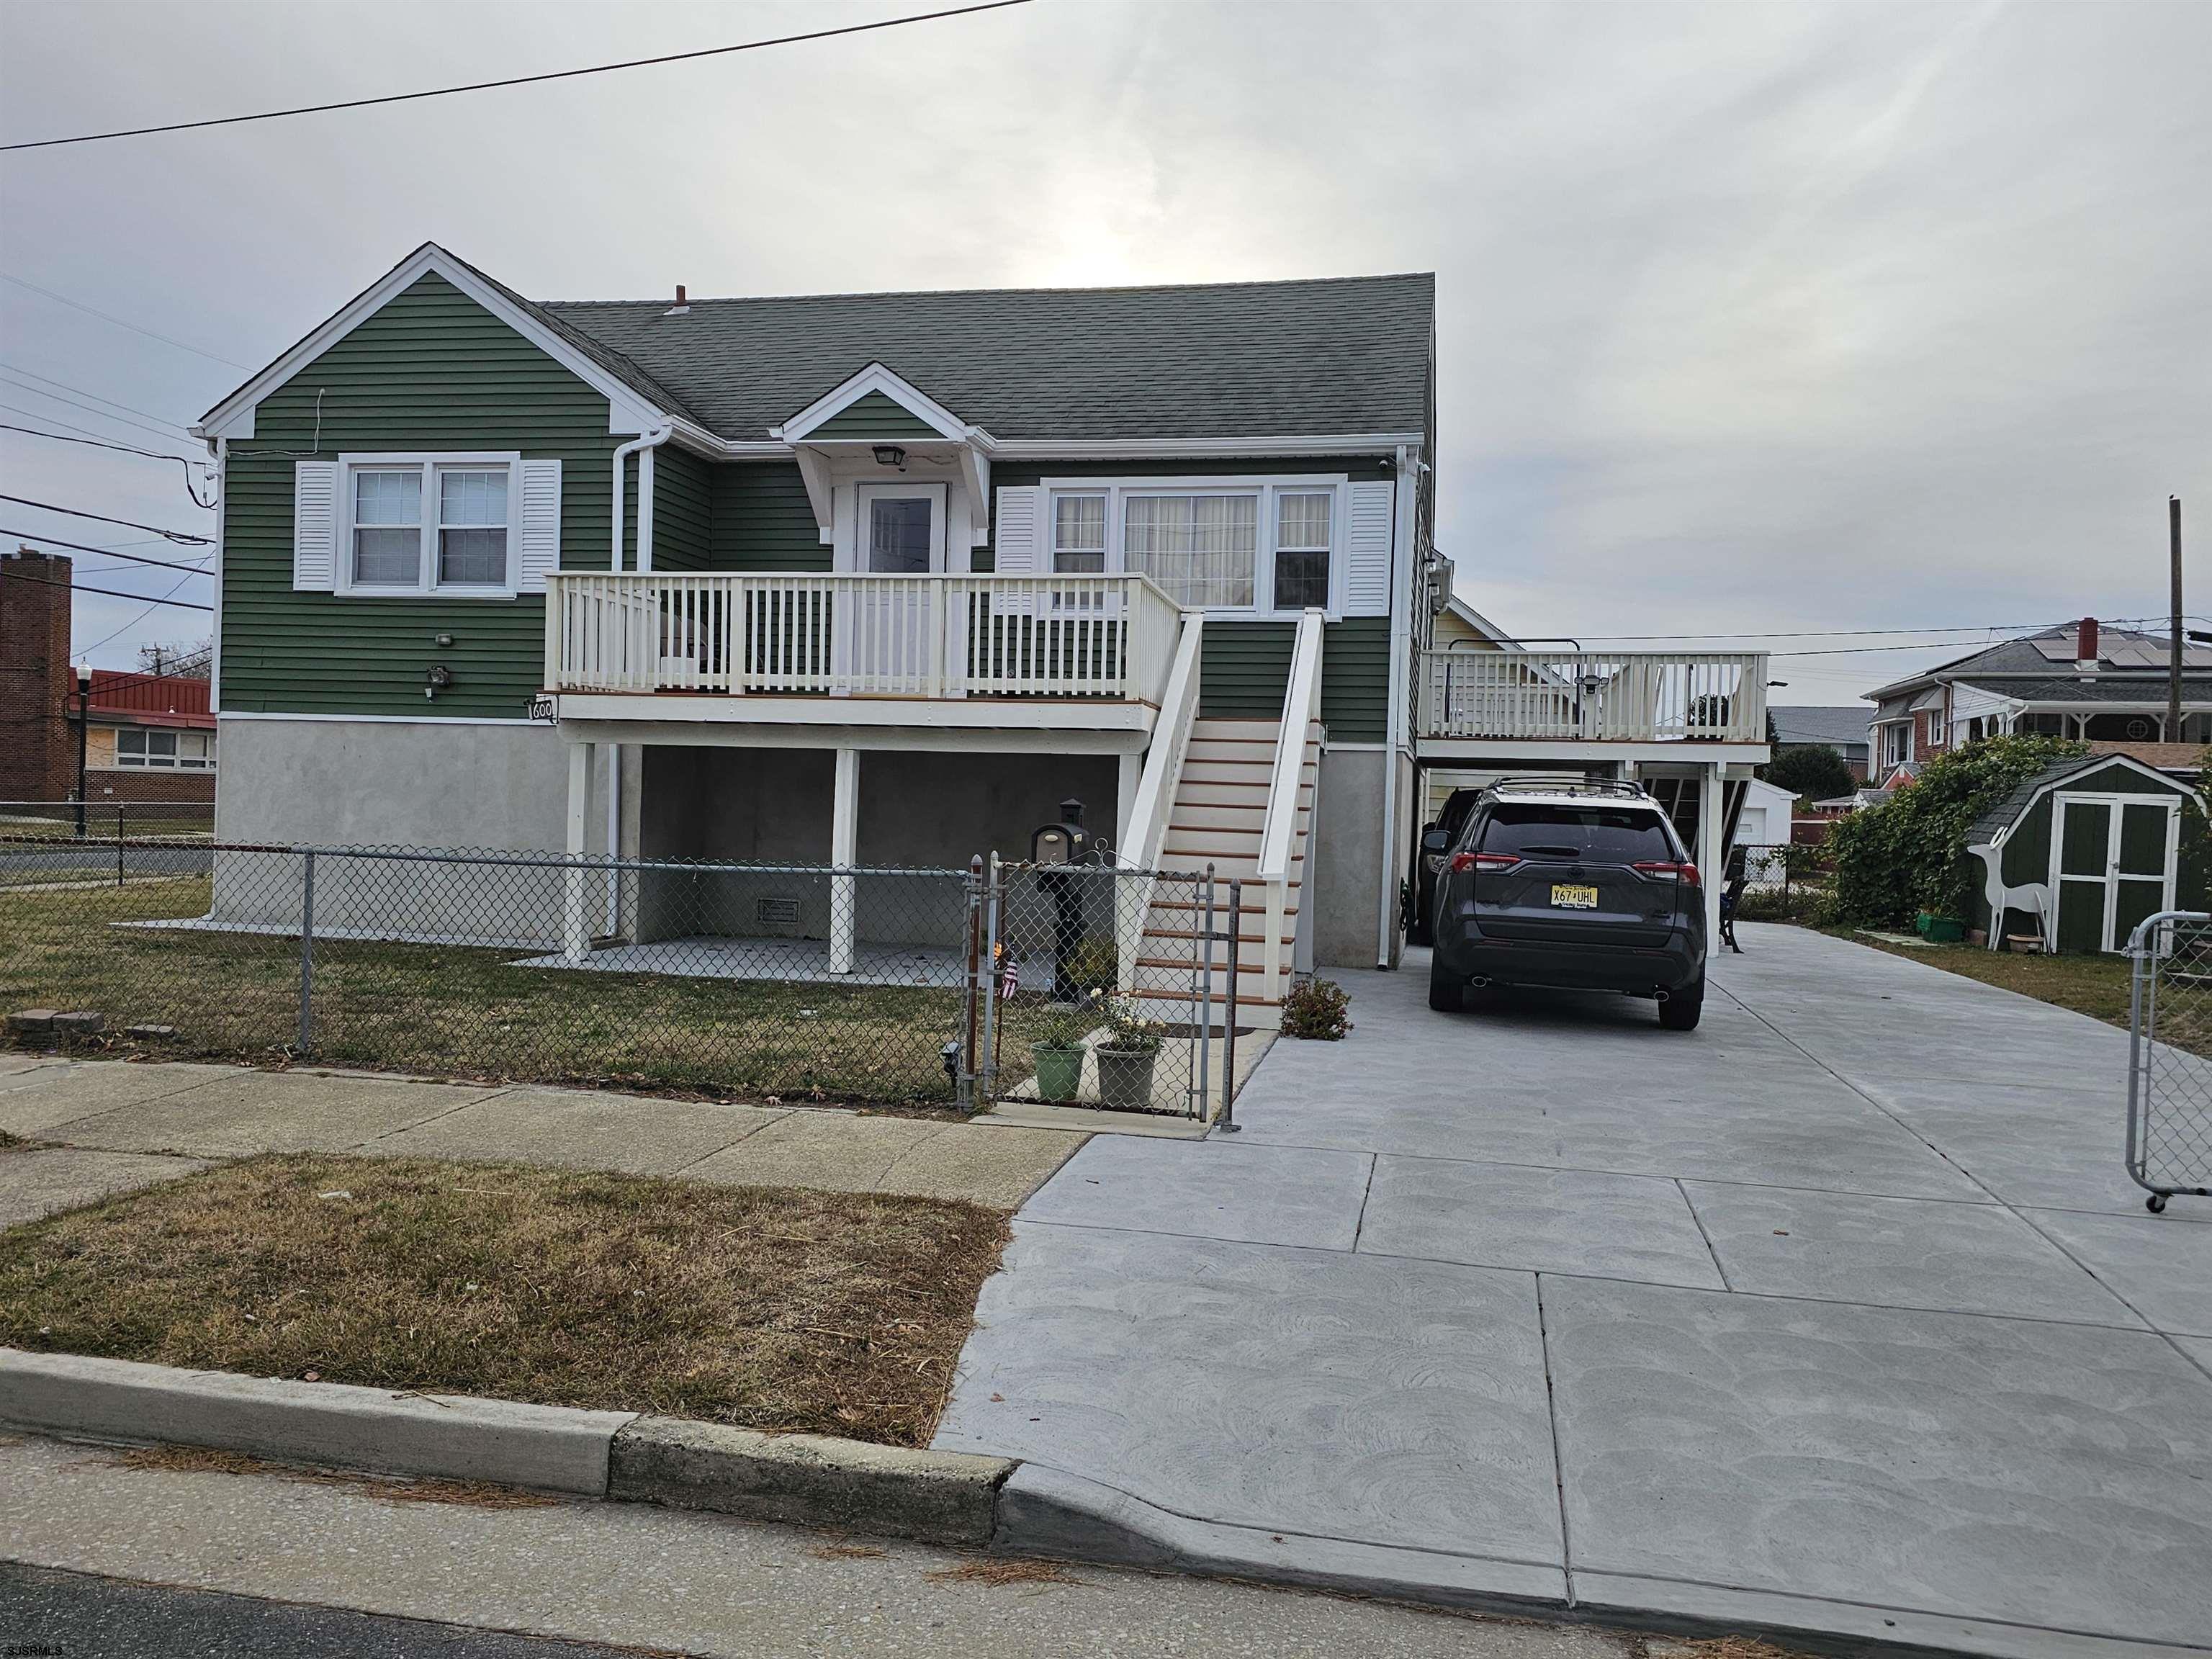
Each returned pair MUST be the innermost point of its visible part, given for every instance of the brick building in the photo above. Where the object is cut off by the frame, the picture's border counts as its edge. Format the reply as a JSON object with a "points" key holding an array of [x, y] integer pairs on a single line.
{"points": [[149, 737]]}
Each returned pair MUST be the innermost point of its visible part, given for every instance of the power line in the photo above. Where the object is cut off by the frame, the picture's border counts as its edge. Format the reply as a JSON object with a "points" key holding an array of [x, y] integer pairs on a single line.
{"points": [[85, 547], [159, 430], [135, 558], [111, 592], [150, 610], [513, 81], [48, 380], [127, 524], [95, 443], [105, 317]]}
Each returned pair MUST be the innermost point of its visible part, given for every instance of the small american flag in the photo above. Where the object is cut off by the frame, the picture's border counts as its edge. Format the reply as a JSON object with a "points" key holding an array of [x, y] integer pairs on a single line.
{"points": [[1010, 973]]}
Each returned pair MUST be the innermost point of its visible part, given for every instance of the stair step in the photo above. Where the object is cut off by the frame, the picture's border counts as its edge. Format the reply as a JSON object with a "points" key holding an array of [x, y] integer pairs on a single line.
{"points": [[1237, 817], [1262, 730]]}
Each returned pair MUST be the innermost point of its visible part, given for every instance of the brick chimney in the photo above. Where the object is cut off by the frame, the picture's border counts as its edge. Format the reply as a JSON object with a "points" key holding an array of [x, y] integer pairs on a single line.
{"points": [[38, 742], [2085, 646]]}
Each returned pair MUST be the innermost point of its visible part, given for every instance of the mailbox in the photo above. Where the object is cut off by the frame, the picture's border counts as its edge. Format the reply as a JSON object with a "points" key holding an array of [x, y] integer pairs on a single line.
{"points": [[1065, 842]]}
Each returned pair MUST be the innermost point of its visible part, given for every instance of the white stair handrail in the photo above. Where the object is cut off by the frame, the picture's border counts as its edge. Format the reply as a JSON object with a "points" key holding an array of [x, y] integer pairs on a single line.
{"points": [[1163, 773], [1301, 707]]}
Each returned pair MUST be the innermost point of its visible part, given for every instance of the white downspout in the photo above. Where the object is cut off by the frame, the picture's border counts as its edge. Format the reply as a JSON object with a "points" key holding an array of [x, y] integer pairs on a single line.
{"points": [[642, 447], [1394, 728]]}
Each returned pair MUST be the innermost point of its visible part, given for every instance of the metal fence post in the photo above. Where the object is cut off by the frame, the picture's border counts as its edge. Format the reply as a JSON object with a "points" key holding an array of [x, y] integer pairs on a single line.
{"points": [[118, 843], [971, 1013], [1229, 1125], [988, 1060], [1205, 1022], [307, 955]]}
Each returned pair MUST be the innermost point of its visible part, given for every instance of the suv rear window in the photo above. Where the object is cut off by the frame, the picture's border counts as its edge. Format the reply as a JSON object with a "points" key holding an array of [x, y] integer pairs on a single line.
{"points": [[1607, 835]]}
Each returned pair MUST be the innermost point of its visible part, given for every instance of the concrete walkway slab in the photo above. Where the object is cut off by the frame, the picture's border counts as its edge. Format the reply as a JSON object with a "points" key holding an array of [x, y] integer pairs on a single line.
{"points": [[1897, 1253], [1335, 1395], [1000, 1166], [1888, 1427], [38, 1180], [36, 1101], [1998, 1469], [838, 1152], [579, 1129], [242, 1113], [1568, 1221], [1217, 1188], [2160, 1263]]}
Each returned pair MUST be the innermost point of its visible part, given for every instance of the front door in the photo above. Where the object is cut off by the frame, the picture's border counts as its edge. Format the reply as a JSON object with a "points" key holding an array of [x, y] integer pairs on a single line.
{"points": [[897, 626]]}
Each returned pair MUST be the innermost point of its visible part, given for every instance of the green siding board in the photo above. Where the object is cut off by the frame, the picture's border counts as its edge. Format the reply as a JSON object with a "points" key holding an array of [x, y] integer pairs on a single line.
{"points": [[761, 520], [875, 416], [683, 510], [1244, 669], [431, 371]]}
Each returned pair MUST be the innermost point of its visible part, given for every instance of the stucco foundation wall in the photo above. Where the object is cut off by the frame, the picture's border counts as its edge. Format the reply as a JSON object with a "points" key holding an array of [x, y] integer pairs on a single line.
{"points": [[924, 810], [1348, 853], [431, 784]]}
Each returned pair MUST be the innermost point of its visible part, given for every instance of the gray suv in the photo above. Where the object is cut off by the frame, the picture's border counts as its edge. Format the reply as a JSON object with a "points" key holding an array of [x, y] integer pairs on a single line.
{"points": [[1575, 886]]}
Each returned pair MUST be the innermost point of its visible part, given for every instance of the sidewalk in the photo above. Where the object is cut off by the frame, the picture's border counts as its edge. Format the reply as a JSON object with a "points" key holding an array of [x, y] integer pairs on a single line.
{"points": [[109, 1126]]}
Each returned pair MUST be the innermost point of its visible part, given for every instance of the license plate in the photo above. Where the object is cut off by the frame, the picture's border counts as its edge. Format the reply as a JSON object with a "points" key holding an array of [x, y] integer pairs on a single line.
{"points": [[1567, 895]]}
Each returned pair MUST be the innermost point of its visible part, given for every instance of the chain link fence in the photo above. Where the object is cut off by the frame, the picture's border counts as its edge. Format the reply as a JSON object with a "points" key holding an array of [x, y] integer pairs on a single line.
{"points": [[2169, 1146], [101, 842], [1081, 984]]}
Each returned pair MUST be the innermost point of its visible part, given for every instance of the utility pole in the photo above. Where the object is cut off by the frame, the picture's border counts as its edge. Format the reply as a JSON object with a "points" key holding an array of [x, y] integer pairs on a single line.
{"points": [[83, 727], [2173, 661]]}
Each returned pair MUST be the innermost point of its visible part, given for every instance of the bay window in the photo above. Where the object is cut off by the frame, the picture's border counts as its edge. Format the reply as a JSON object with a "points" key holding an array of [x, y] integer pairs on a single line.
{"points": [[428, 524]]}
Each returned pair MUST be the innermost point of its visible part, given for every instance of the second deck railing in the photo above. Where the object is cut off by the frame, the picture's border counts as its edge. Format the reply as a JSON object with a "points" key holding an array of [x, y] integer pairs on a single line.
{"points": [[1109, 637], [1633, 696]]}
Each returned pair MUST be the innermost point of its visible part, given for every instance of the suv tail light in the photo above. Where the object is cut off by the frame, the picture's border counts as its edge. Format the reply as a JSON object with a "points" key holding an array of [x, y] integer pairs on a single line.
{"points": [[1463, 862], [1685, 873]]}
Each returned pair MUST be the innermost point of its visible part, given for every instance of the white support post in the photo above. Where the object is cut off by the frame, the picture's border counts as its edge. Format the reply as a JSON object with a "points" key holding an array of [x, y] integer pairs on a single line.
{"points": [[1712, 850], [844, 849], [1125, 798], [576, 924]]}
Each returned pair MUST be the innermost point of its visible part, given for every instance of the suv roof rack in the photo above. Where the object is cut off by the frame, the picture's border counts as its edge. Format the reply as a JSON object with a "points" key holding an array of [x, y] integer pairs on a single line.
{"points": [[1621, 788]]}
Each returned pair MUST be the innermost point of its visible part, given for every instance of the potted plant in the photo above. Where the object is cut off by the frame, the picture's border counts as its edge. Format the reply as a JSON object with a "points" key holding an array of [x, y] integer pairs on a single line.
{"points": [[1125, 1053], [1057, 1049]]}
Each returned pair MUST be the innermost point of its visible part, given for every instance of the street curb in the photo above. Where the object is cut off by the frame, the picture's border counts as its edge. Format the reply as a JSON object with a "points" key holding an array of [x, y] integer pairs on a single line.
{"points": [[455, 1437], [945, 1498]]}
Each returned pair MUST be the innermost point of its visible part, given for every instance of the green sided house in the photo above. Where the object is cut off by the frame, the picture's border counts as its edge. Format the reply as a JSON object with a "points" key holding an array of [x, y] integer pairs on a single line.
{"points": [[880, 579]]}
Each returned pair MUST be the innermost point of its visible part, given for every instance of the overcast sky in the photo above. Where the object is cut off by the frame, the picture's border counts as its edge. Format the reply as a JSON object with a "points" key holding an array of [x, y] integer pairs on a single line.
{"points": [[1750, 317]]}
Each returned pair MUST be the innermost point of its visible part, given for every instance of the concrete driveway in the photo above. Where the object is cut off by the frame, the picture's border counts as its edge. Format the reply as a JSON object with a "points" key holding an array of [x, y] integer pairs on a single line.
{"points": [[1837, 1314]]}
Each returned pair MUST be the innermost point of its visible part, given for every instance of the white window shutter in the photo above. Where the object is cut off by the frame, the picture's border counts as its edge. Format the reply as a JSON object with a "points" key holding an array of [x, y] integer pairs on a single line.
{"points": [[1367, 550], [314, 526], [540, 533], [1014, 546]]}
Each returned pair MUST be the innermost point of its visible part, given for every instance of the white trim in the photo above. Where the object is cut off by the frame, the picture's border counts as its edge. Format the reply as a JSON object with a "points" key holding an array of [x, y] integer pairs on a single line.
{"points": [[1084, 449], [221, 447], [1482, 624], [376, 720], [2112, 876], [628, 411], [856, 556], [430, 465], [1395, 718], [875, 378]]}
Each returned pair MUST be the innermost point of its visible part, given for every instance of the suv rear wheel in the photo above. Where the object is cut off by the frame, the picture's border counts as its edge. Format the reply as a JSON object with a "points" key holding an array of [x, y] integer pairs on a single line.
{"points": [[1680, 1012], [1447, 990]]}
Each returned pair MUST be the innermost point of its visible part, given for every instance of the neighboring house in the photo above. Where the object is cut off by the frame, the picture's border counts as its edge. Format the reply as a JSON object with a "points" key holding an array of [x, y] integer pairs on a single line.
{"points": [[148, 736], [2105, 684], [877, 579], [1807, 726], [1765, 817]]}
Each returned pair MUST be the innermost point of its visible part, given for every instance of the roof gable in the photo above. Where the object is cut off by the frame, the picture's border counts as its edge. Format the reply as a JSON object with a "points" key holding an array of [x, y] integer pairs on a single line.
{"points": [[632, 406], [876, 403]]}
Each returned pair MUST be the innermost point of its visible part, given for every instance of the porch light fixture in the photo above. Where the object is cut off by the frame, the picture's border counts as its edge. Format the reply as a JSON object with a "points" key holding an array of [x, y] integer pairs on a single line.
{"points": [[890, 455]]}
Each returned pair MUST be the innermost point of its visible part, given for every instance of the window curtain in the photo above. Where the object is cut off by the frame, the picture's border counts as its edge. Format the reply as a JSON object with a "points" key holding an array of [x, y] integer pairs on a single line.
{"points": [[1199, 549]]}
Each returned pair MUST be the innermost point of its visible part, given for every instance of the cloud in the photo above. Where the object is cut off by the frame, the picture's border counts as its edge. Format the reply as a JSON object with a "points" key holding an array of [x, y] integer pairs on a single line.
{"points": [[1751, 316]]}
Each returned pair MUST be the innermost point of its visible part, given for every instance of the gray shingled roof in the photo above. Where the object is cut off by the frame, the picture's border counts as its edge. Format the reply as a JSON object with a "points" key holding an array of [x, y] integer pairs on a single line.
{"points": [[2006, 810], [1337, 355], [1839, 728]]}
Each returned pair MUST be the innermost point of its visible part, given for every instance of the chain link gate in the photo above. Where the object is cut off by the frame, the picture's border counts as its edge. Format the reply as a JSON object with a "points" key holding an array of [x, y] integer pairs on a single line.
{"points": [[2169, 1146], [1104, 986]]}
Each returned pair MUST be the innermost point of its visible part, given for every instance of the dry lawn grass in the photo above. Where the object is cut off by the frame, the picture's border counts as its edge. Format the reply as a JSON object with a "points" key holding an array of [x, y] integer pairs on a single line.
{"points": [[1003, 1570], [452, 1010], [771, 1307]]}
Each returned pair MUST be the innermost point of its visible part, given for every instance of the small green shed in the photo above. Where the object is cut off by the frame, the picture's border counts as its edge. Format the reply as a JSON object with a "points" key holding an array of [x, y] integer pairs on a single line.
{"points": [[2084, 850]]}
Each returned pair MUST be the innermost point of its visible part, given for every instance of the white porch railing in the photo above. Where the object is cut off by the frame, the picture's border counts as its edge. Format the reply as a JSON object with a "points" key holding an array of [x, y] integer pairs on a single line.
{"points": [[1109, 637], [1622, 697]]}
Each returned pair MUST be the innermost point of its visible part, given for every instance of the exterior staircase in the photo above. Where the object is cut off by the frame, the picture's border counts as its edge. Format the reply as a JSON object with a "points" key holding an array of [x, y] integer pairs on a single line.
{"points": [[1217, 817]]}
